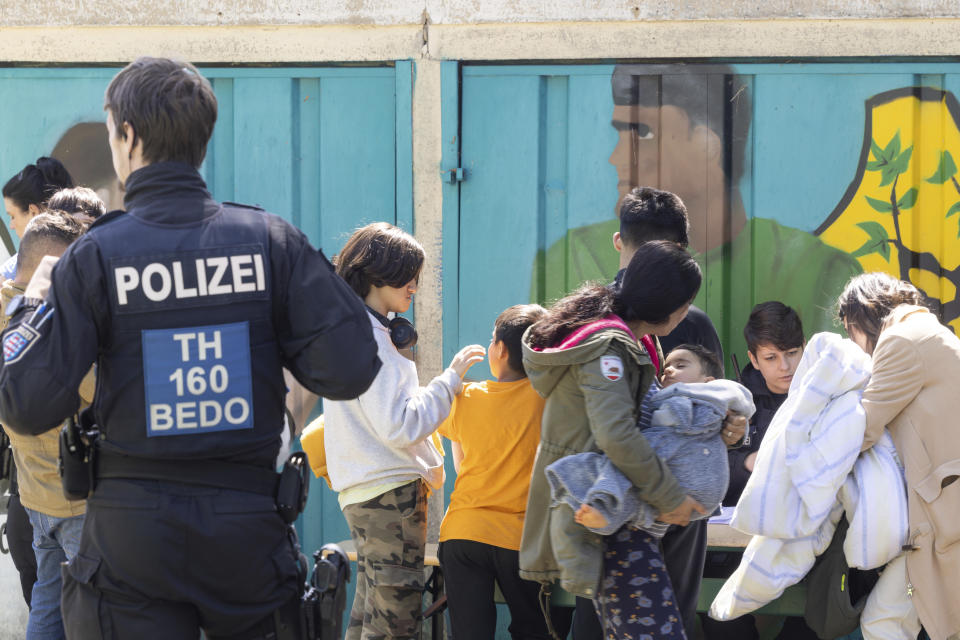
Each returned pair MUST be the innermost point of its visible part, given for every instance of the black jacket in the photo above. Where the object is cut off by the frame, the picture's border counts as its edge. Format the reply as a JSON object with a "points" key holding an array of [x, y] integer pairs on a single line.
{"points": [[767, 404], [190, 308]]}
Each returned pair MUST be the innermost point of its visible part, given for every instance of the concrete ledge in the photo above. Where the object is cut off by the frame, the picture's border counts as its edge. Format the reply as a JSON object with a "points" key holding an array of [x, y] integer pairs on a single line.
{"points": [[228, 45], [697, 39], [526, 41], [394, 12]]}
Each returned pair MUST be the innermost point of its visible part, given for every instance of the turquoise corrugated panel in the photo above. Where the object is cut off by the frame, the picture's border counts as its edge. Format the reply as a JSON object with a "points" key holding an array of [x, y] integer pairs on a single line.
{"points": [[357, 157], [319, 147], [502, 201], [450, 160], [263, 143], [51, 107]]}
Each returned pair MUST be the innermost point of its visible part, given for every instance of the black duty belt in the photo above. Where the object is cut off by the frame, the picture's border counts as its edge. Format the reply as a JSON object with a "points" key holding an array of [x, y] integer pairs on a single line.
{"points": [[210, 473]]}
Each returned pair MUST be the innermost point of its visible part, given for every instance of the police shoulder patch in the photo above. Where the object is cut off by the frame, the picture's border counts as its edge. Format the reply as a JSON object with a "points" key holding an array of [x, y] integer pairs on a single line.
{"points": [[18, 341], [611, 367]]}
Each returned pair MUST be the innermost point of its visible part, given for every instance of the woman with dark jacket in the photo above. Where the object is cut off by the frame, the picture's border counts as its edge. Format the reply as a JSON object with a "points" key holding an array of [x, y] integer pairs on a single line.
{"points": [[593, 358]]}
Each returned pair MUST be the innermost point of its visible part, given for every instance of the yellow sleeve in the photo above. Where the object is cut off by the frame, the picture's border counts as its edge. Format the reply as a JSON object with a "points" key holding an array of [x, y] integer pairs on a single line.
{"points": [[311, 441], [448, 428]]}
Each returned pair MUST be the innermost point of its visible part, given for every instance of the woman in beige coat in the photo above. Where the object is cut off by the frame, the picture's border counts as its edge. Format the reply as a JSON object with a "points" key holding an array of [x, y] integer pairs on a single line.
{"points": [[915, 393]]}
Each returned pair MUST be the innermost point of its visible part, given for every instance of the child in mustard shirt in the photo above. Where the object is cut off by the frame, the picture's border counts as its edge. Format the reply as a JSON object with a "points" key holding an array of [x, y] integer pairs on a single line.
{"points": [[494, 427]]}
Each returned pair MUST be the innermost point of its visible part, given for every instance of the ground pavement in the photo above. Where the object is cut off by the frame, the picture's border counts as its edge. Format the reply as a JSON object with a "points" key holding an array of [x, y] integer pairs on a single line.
{"points": [[13, 610]]}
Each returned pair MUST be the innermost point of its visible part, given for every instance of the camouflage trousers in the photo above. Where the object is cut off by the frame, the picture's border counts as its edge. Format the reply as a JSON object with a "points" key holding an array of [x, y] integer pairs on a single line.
{"points": [[390, 533]]}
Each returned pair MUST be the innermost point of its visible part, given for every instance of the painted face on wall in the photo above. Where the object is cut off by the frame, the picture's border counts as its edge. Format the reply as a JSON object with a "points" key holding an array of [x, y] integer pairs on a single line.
{"points": [[658, 147]]}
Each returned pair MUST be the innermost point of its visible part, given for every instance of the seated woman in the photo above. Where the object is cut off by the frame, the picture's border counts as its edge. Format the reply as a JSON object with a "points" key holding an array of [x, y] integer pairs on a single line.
{"points": [[913, 393]]}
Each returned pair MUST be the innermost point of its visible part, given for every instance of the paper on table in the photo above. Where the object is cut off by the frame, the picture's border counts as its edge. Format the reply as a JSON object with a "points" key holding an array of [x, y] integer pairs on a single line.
{"points": [[724, 517]]}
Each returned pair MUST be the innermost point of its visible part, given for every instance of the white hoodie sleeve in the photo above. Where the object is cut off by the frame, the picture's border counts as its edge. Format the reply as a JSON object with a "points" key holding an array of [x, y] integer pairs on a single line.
{"points": [[402, 413]]}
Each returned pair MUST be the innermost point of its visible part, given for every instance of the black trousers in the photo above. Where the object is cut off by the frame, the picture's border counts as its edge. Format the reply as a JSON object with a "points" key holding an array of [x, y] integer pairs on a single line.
{"points": [[161, 559], [20, 539], [469, 570], [684, 552]]}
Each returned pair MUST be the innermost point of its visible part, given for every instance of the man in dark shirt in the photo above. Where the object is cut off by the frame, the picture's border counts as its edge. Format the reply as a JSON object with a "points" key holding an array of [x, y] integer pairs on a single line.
{"points": [[648, 214]]}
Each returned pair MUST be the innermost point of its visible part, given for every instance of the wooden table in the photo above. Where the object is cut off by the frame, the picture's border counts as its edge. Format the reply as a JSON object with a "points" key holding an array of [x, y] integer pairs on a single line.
{"points": [[720, 537]]}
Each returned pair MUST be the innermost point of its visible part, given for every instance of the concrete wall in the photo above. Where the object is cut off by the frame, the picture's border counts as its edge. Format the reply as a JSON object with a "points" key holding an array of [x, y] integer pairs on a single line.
{"points": [[387, 12]]}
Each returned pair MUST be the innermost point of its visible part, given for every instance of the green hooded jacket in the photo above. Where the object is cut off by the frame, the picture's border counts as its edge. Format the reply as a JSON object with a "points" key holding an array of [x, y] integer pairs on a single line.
{"points": [[593, 385]]}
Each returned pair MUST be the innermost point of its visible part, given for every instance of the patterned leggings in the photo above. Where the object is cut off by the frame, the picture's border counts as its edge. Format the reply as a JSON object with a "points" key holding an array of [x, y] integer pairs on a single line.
{"points": [[636, 600]]}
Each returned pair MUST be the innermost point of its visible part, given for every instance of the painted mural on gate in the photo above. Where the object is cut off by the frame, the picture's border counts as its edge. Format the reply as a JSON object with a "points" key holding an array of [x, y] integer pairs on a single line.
{"points": [[899, 214], [760, 235], [689, 132]]}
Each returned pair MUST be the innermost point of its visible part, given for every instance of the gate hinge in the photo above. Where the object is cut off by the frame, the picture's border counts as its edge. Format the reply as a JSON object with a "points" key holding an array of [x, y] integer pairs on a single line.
{"points": [[455, 175]]}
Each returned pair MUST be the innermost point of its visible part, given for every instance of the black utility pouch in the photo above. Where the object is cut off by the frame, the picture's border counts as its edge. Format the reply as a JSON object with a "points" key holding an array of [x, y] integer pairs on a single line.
{"points": [[293, 487], [77, 452]]}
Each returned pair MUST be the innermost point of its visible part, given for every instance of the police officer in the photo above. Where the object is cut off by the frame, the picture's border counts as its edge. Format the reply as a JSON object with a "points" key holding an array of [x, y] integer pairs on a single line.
{"points": [[190, 308]]}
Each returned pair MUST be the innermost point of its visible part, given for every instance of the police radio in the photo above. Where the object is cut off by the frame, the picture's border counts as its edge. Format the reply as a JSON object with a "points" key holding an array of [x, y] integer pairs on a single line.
{"points": [[293, 486], [403, 335], [77, 452]]}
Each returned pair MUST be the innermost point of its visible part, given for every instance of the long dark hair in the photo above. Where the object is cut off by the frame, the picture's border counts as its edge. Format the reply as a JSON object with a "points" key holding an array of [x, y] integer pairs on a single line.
{"points": [[37, 182], [661, 278]]}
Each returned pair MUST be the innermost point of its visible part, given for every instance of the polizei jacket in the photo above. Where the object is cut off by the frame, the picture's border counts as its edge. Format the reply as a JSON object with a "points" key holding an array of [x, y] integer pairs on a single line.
{"points": [[190, 308], [593, 384]]}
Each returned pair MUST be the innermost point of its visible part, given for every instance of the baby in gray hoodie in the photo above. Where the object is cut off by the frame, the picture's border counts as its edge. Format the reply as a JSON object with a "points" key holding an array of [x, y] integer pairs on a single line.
{"points": [[681, 418]]}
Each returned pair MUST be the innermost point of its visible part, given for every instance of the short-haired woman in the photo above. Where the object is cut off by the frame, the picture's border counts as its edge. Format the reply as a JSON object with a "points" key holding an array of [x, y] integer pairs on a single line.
{"points": [[913, 393]]}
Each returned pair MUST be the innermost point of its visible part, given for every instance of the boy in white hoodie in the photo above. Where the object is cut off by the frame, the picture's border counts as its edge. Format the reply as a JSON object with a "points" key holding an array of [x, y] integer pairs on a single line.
{"points": [[380, 456]]}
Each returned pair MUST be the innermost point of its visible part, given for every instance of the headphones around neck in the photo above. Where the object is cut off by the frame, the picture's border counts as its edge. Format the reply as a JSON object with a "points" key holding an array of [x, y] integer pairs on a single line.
{"points": [[402, 333]]}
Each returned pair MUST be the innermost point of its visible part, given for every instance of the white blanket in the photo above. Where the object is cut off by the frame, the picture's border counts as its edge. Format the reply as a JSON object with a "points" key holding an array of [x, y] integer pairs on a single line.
{"points": [[807, 472]]}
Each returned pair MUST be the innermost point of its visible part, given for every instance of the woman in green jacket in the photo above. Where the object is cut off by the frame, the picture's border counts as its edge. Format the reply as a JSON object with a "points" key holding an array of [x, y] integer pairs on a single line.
{"points": [[593, 359]]}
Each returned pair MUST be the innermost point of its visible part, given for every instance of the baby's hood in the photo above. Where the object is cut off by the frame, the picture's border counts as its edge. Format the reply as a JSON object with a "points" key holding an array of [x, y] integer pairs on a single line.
{"points": [[695, 408]]}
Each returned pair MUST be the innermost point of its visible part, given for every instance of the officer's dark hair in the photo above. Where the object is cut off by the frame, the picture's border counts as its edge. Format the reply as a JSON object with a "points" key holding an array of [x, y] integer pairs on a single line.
{"points": [[379, 255], [35, 183], [709, 362], [78, 201], [168, 104], [509, 327], [773, 323], [661, 278], [689, 87], [652, 214], [48, 233]]}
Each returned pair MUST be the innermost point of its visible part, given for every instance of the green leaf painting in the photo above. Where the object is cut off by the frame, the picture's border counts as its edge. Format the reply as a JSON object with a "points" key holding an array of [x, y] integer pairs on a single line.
{"points": [[878, 242], [908, 200], [879, 205], [945, 170], [889, 161]]}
